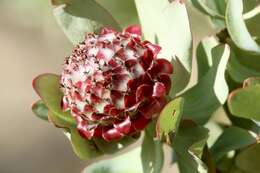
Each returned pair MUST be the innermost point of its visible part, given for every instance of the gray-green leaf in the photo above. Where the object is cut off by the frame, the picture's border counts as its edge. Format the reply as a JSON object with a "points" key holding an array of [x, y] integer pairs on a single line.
{"points": [[161, 24], [211, 91], [47, 87], [152, 151], [232, 138], [249, 159], [170, 117], [243, 102], [79, 17], [237, 28], [188, 162], [204, 55], [242, 64], [126, 163], [124, 11], [40, 110]]}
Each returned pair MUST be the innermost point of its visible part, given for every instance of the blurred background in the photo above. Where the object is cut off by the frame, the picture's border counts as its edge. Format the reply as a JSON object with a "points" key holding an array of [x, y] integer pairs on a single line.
{"points": [[31, 43]]}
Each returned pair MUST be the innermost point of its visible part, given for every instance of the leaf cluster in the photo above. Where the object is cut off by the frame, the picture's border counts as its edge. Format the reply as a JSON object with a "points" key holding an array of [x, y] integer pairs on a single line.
{"points": [[228, 64]]}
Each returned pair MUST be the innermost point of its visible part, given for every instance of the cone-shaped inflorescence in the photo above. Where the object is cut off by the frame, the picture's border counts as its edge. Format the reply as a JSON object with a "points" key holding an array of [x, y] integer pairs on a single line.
{"points": [[113, 83]]}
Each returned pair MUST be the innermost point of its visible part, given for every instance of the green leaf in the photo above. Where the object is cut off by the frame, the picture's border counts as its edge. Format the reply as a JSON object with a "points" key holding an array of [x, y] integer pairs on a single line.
{"points": [[249, 159], [126, 163], [79, 17], [199, 105], [114, 146], [238, 72], [75, 28], [84, 148], [226, 164], [247, 124], [182, 142], [243, 102], [90, 9], [252, 17], [204, 55], [242, 64], [161, 24], [208, 160], [40, 110], [237, 28], [152, 152], [197, 148], [232, 138], [124, 12], [213, 8], [47, 87], [170, 117], [180, 77]]}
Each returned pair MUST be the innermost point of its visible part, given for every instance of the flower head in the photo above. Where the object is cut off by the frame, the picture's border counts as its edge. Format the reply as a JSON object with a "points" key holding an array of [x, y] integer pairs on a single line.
{"points": [[114, 84]]}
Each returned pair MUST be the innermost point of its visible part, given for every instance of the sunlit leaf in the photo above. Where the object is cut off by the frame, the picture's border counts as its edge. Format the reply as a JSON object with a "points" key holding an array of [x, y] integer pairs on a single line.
{"points": [[213, 8], [152, 151], [129, 162], [74, 27], [161, 24], [124, 12], [237, 28], [79, 17], [211, 91], [170, 117], [204, 55]]}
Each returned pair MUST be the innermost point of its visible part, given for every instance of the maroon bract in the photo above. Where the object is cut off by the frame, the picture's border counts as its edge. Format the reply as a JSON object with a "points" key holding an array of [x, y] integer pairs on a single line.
{"points": [[113, 83]]}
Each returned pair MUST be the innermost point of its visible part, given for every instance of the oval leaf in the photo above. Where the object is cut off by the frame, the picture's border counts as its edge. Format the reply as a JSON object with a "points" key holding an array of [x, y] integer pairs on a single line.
{"points": [[47, 87], [170, 117], [85, 149], [242, 102], [75, 28], [79, 17], [40, 110]]}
